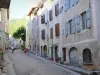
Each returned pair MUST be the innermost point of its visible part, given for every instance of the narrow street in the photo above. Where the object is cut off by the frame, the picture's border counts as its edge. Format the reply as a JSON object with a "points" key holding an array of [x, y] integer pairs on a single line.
{"points": [[27, 65]]}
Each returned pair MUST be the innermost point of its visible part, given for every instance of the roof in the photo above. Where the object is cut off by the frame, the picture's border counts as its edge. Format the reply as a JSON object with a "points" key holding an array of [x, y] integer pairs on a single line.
{"points": [[35, 9], [5, 3]]}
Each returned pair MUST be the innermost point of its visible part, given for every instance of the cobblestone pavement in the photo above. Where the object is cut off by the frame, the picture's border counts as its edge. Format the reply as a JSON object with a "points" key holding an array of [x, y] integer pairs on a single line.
{"points": [[26, 65]]}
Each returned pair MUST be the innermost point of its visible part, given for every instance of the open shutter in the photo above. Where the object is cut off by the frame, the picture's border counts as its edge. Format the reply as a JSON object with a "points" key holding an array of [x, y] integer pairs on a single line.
{"points": [[88, 15], [66, 29], [81, 24], [68, 25], [78, 23], [73, 26], [46, 16], [66, 5], [77, 1]]}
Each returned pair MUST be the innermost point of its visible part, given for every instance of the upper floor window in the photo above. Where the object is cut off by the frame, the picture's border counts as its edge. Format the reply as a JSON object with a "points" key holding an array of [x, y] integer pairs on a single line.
{"points": [[51, 33], [43, 34], [57, 29], [43, 19], [57, 9], [51, 15]]}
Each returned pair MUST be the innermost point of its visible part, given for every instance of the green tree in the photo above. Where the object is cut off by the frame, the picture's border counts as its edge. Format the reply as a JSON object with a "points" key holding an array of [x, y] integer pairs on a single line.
{"points": [[20, 33]]}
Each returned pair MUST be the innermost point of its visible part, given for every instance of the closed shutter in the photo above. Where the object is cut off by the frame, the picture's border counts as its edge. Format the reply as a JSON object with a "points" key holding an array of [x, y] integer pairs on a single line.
{"points": [[66, 5], [61, 10], [78, 23], [71, 3], [73, 26], [77, 1], [51, 33], [57, 30], [50, 15], [62, 32], [66, 29], [88, 15], [68, 25]]}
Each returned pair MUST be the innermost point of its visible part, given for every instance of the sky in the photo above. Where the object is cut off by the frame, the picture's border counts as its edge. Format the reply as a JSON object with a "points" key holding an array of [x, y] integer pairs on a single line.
{"points": [[20, 8]]}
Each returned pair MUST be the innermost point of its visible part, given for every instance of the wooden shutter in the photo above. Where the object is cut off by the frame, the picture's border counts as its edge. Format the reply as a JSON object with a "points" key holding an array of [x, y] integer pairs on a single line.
{"points": [[56, 9], [88, 15], [66, 5], [57, 29], [51, 33], [73, 26], [66, 29]]}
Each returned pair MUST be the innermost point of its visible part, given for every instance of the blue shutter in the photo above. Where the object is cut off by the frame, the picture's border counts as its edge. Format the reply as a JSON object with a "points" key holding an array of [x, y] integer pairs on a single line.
{"points": [[61, 10], [62, 32], [71, 3], [73, 26], [68, 25], [66, 5], [66, 30], [88, 15], [77, 1], [81, 25], [78, 23]]}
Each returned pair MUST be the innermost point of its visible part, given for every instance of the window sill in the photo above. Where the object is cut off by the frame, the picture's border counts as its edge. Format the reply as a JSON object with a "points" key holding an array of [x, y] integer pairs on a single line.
{"points": [[86, 63]]}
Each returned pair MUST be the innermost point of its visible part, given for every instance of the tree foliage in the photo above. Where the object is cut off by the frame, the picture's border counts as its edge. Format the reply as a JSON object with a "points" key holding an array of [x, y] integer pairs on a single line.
{"points": [[20, 33]]}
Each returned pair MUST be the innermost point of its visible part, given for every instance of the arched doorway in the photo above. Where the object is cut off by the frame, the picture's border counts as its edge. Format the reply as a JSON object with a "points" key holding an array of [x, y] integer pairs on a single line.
{"points": [[74, 57], [45, 51], [64, 54], [87, 56]]}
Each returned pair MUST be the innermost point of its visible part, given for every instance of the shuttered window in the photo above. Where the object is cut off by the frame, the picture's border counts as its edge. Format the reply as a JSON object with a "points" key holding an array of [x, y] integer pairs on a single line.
{"points": [[57, 31], [88, 15], [42, 19], [61, 10], [83, 16], [76, 1], [66, 29], [51, 15], [43, 34], [73, 26], [56, 9], [51, 33], [70, 26], [77, 19]]}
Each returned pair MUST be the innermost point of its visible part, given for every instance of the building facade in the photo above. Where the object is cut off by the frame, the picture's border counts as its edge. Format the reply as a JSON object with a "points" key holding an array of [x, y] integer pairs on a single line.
{"points": [[68, 32]]}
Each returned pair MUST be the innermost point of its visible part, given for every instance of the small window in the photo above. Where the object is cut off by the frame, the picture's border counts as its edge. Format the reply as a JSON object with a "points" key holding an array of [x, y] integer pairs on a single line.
{"points": [[51, 33], [51, 15], [56, 9], [43, 34], [84, 20], [42, 19]]}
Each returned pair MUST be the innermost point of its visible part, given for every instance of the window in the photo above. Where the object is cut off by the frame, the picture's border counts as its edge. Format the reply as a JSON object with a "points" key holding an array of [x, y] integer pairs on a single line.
{"points": [[70, 26], [87, 59], [83, 17], [57, 32], [51, 33], [42, 19], [43, 34], [51, 15], [56, 9], [61, 10], [66, 5]]}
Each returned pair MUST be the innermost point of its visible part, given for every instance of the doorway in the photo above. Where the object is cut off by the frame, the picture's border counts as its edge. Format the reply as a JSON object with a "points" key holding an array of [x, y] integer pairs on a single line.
{"points": [[64, 54]]}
